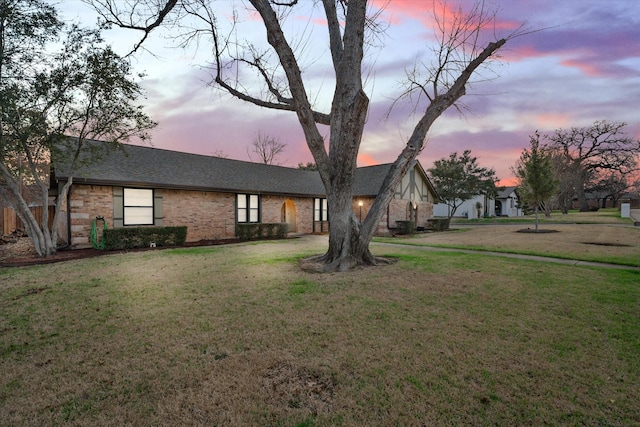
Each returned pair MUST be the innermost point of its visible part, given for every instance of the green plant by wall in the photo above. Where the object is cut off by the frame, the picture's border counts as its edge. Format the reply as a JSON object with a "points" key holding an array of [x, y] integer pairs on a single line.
{"points": [[406, 227], [143, 237], [262, 230], [438, 224]]}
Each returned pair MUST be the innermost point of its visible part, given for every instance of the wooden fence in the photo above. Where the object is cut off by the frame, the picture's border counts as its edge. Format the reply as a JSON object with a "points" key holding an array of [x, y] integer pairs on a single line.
{"points": [[11, 221]]}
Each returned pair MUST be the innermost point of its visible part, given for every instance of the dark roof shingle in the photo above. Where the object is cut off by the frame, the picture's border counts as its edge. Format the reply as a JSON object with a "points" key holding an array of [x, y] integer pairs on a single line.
{"points": [[140, 166]]}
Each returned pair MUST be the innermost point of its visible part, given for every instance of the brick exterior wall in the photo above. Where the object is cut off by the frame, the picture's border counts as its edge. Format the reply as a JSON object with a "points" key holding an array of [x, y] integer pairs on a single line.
{"points": [[86, 203], [207, 215], [272, 211], [211, 215], [398, 211]]}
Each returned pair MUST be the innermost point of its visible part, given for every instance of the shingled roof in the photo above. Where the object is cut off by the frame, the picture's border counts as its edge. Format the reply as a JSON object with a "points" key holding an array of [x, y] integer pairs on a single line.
{"points": [[147, 167], [505, 192]]}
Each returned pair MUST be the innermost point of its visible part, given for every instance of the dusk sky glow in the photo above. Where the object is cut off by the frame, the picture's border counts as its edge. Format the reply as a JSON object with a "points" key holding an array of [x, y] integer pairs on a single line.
{"points": [[582, 66]]}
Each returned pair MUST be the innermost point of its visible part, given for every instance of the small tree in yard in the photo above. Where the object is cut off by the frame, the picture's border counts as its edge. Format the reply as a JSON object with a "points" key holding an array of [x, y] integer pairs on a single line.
{"points": [[52, 102], [459, 178], [279, 70], [536, 174]]}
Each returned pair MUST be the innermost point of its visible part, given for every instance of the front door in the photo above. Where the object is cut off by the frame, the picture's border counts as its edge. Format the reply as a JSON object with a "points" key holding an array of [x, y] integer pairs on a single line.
{"points": [[289, 214], [498, 208]]}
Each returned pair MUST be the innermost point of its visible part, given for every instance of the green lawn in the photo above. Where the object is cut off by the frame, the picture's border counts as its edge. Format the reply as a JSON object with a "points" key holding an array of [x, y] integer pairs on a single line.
{"points": [[597, 256], [601, 216], [238, 335]]}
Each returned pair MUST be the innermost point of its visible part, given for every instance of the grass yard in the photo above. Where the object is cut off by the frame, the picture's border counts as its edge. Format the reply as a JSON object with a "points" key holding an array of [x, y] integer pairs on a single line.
{"points": [[606, 243], [601, 216], [238, 335]]}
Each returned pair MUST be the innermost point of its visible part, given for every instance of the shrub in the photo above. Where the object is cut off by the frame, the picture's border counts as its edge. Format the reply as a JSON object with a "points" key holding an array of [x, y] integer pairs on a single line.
{"points": [[262, 230], [406, 227], [143, 237], [438, 224]]}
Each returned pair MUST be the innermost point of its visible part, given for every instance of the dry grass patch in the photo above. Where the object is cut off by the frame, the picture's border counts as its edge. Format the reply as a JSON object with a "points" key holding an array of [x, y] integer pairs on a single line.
{"points": [[240, 336], [601, 216], [588, 242]]}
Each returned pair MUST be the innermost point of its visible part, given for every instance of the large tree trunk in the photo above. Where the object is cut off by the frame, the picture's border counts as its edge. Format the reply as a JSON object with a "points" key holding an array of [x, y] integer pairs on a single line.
{"points": [[348, 239], [582, 198], [347, 248], [39, 233]]}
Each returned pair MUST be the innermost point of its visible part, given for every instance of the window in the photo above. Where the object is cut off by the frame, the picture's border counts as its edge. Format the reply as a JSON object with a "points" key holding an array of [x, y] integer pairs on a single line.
{"points": [[138, 206], [248, 208], [320, 210]]}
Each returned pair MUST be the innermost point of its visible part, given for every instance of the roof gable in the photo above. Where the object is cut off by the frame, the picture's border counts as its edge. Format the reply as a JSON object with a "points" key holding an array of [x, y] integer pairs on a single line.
{"points": [[506, 192]]}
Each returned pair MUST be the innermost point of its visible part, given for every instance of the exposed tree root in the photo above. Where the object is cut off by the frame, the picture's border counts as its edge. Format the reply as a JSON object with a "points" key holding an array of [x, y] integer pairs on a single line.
{"points": [[320, 264]]}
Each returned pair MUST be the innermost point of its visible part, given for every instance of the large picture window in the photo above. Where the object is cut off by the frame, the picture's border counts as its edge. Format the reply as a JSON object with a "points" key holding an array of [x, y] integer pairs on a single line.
{"points": [[138, 206], [248, 208], [320, 210]]}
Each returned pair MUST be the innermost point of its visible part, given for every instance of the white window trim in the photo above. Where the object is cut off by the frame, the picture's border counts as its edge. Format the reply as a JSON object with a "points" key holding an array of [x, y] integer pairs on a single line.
{"points": [[247, 208], [137, 204]]}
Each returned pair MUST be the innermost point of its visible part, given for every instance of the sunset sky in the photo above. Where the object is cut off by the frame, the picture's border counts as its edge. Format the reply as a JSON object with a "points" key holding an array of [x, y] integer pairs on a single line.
{"points": [[582, 66]]}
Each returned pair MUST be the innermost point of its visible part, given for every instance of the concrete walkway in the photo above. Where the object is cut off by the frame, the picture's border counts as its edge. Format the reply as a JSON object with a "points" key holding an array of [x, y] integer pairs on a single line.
{"points": [[516, 256]]}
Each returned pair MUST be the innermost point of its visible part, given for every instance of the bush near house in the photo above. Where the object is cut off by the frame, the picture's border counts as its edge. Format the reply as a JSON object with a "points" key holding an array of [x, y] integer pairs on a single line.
{"points": [[262, 230], [141, 237], [406, 227], [438, 224]]}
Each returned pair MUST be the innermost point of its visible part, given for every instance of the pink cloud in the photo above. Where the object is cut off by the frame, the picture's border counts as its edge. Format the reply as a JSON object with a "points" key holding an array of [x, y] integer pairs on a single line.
{"points": [[521, 53], [509, 182], [398, 11], [591, 70], [366, 160], [320, 22], [554, 120]]}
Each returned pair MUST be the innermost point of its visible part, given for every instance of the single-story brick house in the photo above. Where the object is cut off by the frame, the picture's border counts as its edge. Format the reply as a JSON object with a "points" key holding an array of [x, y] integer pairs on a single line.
{"points": [[140, 186]]}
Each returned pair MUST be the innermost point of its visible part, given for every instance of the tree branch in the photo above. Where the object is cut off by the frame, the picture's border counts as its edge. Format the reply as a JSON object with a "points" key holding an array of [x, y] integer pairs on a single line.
{"points": [[112, 17]]}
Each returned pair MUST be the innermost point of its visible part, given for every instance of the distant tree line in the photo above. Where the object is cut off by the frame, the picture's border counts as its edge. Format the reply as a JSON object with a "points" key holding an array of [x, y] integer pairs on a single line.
{"points": [[598, 162], [572, 164]]}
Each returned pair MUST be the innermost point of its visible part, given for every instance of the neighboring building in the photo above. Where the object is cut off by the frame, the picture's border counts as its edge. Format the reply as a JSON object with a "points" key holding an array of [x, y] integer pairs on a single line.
{"points": [[597, 200], [142, 186], [506, 203], [467, 209]]}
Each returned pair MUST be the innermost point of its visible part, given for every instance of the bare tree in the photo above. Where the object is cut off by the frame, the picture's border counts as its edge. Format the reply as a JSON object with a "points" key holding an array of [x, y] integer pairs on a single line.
{"points": [[587, 152], [265, 149], [612, 185], [220, 154], [566, 182], [462, 51]]}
